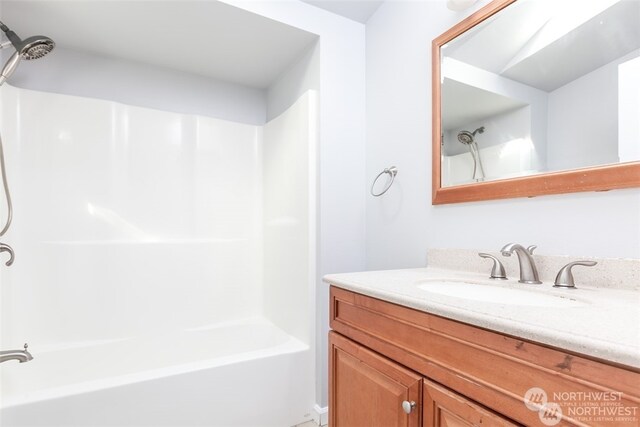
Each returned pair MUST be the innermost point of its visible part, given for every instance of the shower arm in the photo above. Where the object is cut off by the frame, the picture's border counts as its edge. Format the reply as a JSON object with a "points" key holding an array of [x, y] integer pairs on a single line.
{"points": [[13, 37]]}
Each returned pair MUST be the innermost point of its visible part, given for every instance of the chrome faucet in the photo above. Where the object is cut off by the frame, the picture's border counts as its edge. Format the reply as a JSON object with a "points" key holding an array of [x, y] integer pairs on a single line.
{"points": [[7, 248], [19, 355], [528, 270]]}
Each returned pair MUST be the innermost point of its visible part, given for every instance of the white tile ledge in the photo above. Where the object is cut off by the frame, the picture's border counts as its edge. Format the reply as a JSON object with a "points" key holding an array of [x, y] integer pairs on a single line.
{"points": [[606, 327]]}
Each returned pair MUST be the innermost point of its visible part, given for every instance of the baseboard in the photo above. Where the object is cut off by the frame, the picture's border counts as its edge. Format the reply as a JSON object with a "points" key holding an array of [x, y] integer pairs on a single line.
{"points": [[320, 415]]}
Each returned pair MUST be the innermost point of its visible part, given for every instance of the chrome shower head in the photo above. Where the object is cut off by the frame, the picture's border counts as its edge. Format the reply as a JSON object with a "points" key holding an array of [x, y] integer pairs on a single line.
{"points": [[34, 47], [466, 137]]}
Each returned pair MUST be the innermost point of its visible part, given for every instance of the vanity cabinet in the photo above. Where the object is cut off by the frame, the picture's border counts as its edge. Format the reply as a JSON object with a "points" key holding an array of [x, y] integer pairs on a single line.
{"points": [[370, 389], [383, 354]]}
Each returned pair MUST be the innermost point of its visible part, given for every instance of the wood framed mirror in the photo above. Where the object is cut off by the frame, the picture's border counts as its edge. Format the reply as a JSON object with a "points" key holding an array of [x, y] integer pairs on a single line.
{"points": [[535, 98]]}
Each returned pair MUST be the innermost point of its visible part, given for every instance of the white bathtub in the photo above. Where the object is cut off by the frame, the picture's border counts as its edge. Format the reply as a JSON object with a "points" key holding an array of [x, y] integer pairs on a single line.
{"points": [[240, 374]]}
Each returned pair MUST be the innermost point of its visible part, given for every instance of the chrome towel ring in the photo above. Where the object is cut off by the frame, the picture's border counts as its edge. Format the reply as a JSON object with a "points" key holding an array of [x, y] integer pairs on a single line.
{"points": [[392, 171]]}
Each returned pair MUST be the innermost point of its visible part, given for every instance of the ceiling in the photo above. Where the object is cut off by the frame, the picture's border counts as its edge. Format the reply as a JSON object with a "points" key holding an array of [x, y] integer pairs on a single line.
{"points": [[463, 104], [551, 43], [554, 58], [206, 38], [357, 10]]}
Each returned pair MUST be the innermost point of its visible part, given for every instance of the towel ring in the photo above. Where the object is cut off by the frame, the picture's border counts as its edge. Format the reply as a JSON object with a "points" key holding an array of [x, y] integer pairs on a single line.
{"points": [[392, 171]]}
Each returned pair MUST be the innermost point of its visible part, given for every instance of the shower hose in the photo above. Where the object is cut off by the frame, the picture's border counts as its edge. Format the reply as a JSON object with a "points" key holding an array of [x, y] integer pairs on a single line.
{"points": [[6, 191]]}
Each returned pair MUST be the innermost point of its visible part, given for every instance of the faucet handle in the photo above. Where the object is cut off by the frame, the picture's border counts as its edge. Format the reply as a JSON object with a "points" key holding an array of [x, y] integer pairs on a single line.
{"points": [[531, 248], [564, 279], [497, 272]]}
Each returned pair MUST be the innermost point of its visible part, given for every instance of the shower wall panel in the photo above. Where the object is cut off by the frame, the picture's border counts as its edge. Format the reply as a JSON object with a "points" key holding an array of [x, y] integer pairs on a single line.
{"points": [[127, 221], [289, 216]]}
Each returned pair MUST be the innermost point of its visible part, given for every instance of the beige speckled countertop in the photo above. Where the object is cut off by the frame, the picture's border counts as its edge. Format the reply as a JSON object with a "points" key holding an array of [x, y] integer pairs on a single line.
{"points": [[599, 322]]}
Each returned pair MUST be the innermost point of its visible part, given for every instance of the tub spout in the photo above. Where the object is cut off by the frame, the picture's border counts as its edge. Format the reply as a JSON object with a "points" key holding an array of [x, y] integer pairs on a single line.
{"points": [[19, 355]]}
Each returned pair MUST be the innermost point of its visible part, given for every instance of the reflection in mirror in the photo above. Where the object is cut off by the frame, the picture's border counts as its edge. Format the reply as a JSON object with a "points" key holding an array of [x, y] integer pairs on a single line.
{"points": [[541, 86]]}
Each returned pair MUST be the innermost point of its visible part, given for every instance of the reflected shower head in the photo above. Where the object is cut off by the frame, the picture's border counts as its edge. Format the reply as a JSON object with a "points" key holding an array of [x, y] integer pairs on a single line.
{"points": [[467, 137], [34, 47]]}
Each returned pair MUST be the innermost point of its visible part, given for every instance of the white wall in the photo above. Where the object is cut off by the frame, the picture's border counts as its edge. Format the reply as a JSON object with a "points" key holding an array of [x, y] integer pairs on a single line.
{"points": [[629, 110], [83, 74], [300, 77], [402, 224], [583, 119]]}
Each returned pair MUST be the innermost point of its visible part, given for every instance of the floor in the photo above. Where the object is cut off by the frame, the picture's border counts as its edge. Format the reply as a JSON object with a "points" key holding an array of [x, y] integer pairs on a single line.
{"points": [[307, 424]]}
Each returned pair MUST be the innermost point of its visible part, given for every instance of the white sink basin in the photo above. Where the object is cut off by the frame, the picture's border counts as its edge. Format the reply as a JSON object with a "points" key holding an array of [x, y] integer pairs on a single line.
{"points": [[498, 294]]}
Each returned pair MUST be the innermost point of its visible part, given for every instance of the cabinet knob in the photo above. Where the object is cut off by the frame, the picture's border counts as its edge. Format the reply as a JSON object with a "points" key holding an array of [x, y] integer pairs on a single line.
{"points": [[407, 406]]}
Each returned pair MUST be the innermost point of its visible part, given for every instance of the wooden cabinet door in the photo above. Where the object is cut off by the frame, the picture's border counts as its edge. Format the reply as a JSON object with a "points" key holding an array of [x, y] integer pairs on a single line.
{"points": [[444, 408], [368, 390]]}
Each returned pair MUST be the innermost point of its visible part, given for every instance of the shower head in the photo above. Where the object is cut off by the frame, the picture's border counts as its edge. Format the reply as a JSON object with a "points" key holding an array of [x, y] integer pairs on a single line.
{"points": [[34, 47], [467, 137]]}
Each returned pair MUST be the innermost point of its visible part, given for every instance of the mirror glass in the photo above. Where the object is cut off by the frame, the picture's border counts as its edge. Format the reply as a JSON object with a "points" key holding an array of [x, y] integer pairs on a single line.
{"points": [[541, 86]]}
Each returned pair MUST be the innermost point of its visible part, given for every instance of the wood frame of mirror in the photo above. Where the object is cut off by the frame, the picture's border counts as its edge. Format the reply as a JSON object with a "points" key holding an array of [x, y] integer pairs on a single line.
{"points": [[599, 178]]}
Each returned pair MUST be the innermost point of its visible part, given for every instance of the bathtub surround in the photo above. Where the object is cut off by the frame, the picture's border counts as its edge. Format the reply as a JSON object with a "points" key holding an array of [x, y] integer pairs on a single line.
{"points": [[174, 223], [289, 209], [337, 70]]}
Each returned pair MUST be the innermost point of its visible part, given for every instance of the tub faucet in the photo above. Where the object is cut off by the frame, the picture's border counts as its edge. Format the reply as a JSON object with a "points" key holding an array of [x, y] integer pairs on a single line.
{"points": [[528, 270], [19, 355]]}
